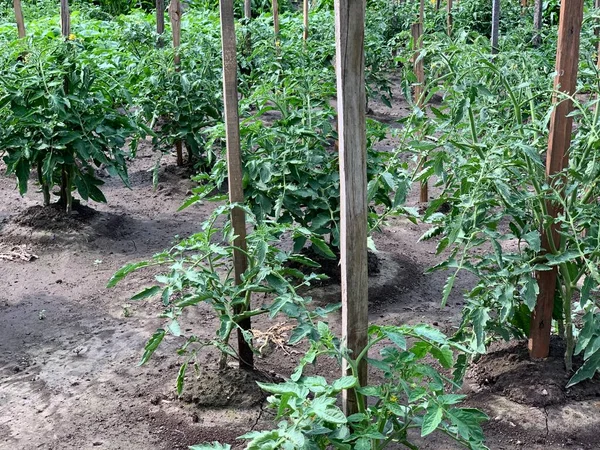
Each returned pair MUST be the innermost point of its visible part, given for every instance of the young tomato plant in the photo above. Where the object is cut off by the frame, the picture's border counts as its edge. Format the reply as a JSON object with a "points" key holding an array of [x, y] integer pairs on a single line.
{"points": [[411, 396], [200, 270], [60, 118]]}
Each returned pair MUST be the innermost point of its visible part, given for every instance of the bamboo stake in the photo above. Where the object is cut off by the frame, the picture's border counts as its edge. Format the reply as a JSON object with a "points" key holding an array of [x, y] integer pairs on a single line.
{"points": [[234, 165], [19, 18], [175, 16], [561, 128], [350, 73]]}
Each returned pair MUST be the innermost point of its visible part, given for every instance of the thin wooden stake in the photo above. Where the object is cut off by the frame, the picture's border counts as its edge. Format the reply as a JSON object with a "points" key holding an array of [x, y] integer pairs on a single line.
{"points": [[305, 11], [350, 73], [422, 12], [19, 18], [175, 13], [495, 25], [537, 22], [449, 17], [160, 20], [65, 18], [234, 164], [416, 30], [275, 7], [561, 128], [248, 9]]}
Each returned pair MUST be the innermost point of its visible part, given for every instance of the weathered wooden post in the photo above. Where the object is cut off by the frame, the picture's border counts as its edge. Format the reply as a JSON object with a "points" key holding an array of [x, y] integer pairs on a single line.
{"points": [[416, 30], [537, 22], [175, 13], [350, 73], [495, 25], [305, 12], [248, 9], [561, 127], [65, 18], [160, 20], [275, 7], [234, 163], [19, 18]]}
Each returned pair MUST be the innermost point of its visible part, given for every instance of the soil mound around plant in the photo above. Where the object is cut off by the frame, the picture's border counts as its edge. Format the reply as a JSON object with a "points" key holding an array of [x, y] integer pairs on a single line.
{"points": [[331, 266], [507, 371], [54, 217], [231, 387]]}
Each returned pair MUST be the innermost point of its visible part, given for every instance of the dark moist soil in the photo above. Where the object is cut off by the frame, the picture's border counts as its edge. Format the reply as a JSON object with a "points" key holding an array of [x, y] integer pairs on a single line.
{"points": [[70, 348], [507, 370], [331, 266]]}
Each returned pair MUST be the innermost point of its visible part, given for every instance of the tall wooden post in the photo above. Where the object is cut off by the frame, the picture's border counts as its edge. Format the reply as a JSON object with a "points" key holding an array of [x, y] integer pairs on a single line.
{"points": [[495, 25], [422, 12], [305, 11], [160, 20], [175, 17], [449, 17], [65, 18], [248, 9], [416, 30], [561, 128], [19, 18], [234, 163], [275, 7], [350, 73], [537, 22]]}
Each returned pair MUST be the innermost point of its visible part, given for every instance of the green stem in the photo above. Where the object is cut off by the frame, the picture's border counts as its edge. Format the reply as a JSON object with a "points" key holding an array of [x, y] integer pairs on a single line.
{"points": [[568, 318]]}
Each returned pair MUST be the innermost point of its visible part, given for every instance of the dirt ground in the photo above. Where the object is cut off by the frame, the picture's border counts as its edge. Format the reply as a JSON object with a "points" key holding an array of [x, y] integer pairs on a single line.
{"points": [[69, 348]]}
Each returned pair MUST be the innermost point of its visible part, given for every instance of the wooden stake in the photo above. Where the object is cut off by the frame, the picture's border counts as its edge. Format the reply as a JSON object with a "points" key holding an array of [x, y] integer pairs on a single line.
{"points": [[449, 17], [19, 18], [495, 25], [160, 20], [422, 12], [438, 4], [248, 9], [65, 18], [537, 22], [416, 30], [234, 163], [561, 128], [305, 10], [275, 7], [350, 73], [175, 13]]}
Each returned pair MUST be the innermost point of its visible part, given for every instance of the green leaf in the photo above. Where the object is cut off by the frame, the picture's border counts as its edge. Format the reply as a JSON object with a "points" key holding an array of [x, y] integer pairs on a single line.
{"points": [[288, 387], [324, 409], [181, 378], [533, 240], [444, 355], [124, 271], [396, 338], [322, 246], [213, 446], [431, 420], [345, 382], [146, 293], [448, 289], [152, 345], [587, 370], [530, 292]]}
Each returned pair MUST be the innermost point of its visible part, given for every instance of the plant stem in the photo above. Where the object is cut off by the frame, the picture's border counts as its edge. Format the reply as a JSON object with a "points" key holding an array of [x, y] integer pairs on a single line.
{"points": [[44, 186]]}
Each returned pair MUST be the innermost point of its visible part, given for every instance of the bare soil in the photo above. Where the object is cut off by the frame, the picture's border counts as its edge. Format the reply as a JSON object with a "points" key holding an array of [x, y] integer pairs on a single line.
{"points": [[69, 347]]}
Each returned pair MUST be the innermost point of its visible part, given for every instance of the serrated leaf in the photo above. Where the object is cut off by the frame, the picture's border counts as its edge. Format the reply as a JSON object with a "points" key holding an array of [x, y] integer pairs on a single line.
{"points": [[152, 345], [146, 293], [431, 420], [587, 370], [124, 271], [345, 382]]}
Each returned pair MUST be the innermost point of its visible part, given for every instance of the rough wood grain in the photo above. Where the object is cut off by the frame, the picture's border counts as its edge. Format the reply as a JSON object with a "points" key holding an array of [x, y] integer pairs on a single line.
{"points": [[175, 13], [248, 9], [349, 34], [561, 128], [19, 18], [234, 161], [275, 7], [537, 22]]}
